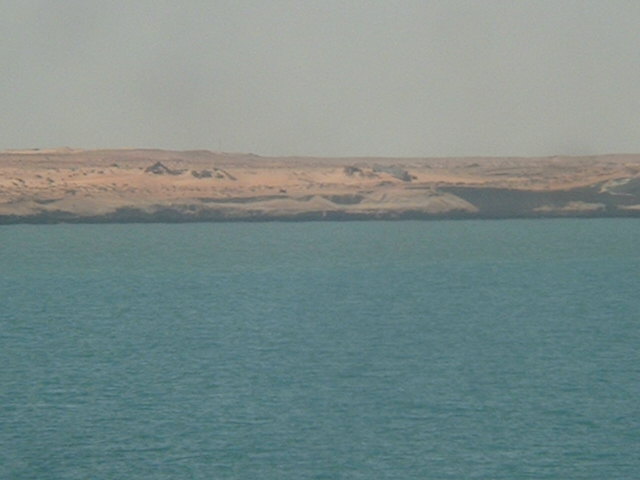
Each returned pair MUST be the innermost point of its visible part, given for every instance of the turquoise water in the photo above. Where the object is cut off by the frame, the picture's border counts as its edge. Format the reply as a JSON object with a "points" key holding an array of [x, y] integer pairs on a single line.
{"points": [[374, 350]]}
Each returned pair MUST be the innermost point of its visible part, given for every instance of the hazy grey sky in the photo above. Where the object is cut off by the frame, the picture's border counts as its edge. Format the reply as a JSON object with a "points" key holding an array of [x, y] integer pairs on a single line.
{"points": [[333, 77]]}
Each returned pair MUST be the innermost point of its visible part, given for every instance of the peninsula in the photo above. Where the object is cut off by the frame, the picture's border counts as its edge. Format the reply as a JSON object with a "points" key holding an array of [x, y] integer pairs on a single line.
{"points": [[144, 185]]}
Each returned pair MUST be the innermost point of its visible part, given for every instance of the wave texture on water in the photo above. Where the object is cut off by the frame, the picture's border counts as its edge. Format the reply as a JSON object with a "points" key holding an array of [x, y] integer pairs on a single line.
{"points": [[444, 350]]}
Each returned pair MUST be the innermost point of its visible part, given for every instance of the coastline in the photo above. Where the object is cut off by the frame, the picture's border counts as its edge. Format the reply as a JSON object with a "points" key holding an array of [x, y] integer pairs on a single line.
{"points": [[141, 186]]}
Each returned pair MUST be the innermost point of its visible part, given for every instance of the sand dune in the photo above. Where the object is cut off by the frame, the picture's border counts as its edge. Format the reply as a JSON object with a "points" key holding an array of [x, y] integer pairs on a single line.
{"points": [[72, 185]]}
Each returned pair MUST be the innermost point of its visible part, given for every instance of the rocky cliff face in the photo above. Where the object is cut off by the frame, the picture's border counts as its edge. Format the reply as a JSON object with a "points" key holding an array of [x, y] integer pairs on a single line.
{"points": [[153, 185]]}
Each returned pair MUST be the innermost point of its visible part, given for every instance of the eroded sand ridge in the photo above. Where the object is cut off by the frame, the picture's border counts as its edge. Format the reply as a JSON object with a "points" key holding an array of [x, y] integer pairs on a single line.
{"points": [[154, 185]]}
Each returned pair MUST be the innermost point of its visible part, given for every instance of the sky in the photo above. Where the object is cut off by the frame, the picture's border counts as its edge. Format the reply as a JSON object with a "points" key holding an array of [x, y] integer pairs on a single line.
{"points": [[323, 77]]}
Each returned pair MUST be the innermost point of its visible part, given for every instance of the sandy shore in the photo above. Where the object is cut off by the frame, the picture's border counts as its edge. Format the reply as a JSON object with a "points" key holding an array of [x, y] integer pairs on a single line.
{"points": [[134, 185]]}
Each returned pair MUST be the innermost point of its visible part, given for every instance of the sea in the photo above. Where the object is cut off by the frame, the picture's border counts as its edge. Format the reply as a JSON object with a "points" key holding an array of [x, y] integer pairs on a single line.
{"points": [[505, 349]]}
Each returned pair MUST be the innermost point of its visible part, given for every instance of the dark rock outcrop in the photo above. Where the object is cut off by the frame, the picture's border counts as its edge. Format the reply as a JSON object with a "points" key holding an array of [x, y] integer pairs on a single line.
{"points": [[395, 172], [202, 173], [350, 171], [159, 168]]}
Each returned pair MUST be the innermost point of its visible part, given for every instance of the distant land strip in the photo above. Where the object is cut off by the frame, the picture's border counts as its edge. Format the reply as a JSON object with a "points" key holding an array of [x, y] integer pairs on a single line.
{"points": [[144, 185]]}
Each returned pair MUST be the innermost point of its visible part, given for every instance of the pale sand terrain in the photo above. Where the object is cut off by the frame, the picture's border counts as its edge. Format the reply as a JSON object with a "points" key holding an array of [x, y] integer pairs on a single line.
{"points": [[67, 185]]}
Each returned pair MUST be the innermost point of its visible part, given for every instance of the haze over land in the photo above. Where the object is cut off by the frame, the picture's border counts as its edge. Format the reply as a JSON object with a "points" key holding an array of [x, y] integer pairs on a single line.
{"points": [[408, 78], [41, 186]]}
